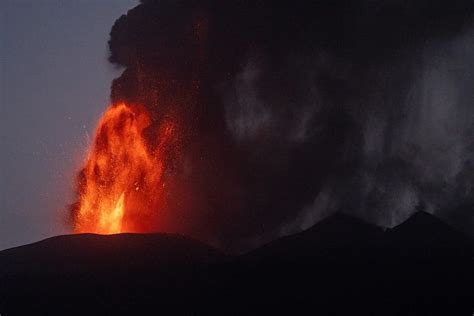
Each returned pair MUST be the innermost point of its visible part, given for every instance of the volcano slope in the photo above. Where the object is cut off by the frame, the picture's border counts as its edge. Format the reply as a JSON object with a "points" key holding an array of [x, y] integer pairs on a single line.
{"points": [[341, 265]]}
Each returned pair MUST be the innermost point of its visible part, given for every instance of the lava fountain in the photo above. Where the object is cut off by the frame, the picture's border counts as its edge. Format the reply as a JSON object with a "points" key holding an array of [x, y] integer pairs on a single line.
{"points": [[122, 184]]}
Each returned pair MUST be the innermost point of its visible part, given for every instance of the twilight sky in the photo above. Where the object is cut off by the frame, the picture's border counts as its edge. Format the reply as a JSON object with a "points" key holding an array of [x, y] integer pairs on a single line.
{"points": [[54, 84]]}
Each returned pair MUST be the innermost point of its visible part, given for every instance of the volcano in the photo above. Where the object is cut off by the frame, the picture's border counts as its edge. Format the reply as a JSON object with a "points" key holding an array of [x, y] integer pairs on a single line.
{"points": [[340, 265]]}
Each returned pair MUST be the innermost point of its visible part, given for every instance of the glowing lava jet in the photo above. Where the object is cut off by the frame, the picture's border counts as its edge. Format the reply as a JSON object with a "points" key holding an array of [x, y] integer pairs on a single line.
{"points": [[123, 180]]}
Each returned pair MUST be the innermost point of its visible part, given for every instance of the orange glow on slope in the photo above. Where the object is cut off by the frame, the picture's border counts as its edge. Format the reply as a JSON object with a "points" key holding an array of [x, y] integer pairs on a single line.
{"points": [[122, 182]]}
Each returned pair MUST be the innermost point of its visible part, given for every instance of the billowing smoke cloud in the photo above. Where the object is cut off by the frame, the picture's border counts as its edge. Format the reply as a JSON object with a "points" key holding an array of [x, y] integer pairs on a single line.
{"points": [[292, 111], [415, 146]]}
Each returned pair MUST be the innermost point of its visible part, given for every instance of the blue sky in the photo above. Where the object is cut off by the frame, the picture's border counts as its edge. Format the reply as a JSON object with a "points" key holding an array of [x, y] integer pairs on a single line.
{"points": [[54, 84]]}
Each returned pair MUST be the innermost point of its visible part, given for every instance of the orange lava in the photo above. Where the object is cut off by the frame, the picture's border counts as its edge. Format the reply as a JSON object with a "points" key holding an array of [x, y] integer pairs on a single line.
{"points": [[123, 180]]}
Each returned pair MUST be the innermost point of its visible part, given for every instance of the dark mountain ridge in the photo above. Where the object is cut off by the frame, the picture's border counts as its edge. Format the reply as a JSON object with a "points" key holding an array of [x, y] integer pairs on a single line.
{"points": [[341, 265]]}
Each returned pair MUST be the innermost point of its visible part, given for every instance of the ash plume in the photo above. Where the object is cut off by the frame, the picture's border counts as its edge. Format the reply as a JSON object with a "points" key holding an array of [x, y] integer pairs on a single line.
{"points": [[292, 111]]}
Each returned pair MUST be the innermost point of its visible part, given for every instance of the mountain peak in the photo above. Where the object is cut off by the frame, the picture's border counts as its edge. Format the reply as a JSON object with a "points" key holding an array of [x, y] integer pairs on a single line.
{"points": [[424, 218], [423, 227], [342, 225]]}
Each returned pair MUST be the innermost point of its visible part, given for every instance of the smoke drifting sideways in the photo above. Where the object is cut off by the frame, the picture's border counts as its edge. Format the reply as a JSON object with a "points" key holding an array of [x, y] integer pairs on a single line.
{"points": [[292, 111]]}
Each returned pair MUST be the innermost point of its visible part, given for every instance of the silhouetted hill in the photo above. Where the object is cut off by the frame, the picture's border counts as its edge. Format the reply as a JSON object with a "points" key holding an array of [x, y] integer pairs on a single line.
{"points": [[340, 266], [93, 274], [73, 253], [336, 232], [425, 229]]}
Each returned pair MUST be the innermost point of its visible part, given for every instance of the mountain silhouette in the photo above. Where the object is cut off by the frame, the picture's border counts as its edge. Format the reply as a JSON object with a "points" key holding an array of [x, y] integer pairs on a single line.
{"points": [[341, 265], [334, 233], [424, 229]]}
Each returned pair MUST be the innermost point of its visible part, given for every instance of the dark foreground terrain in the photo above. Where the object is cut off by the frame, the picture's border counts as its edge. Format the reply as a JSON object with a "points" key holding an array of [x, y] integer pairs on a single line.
{"points": [[341, 266]]}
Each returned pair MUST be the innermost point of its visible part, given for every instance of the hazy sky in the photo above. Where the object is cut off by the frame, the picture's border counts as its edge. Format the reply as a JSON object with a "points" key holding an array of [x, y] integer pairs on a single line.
{"points": [[54, 84]]}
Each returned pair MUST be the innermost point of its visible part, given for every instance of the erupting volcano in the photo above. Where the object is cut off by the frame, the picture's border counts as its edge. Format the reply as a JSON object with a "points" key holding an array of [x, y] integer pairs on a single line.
{"points": [[122, 184], [223, 130]]}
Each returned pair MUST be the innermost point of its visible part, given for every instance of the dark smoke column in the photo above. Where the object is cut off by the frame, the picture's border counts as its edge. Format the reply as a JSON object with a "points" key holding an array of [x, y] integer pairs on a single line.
{"points": [[290, 111]]}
